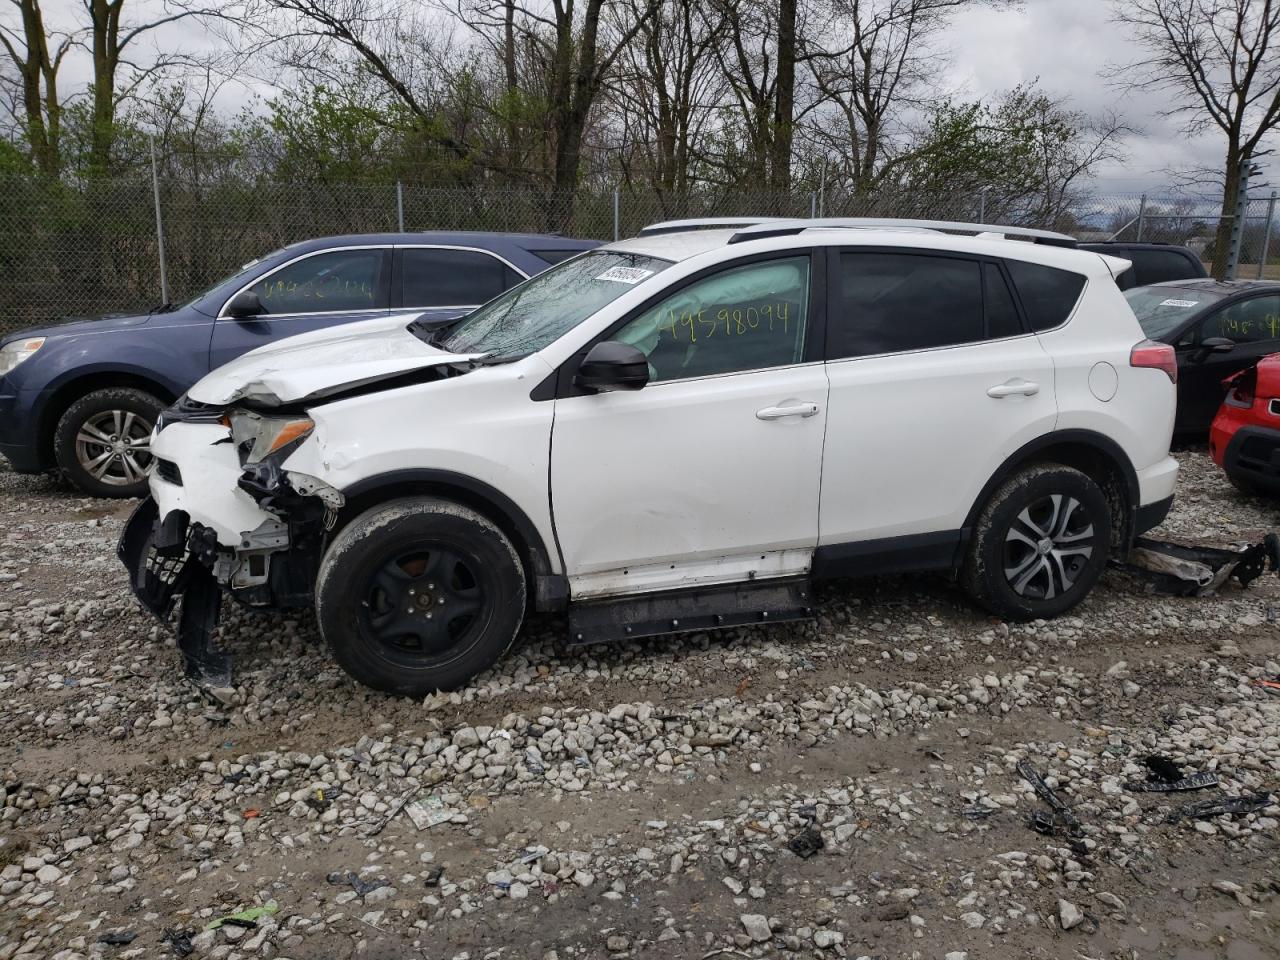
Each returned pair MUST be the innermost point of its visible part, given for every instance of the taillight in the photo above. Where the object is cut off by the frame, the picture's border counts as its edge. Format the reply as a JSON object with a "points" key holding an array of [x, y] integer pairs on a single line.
{"points": [[1159, 356], [1241, 388]]}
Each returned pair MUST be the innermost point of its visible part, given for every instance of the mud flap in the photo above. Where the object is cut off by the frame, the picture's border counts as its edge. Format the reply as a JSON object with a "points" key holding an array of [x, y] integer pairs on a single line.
{"points": [[201, 603]]}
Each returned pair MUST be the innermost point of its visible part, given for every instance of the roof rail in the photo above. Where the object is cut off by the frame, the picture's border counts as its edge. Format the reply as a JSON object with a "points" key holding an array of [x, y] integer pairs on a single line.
{"points": [[782, 228], [706, 223]]}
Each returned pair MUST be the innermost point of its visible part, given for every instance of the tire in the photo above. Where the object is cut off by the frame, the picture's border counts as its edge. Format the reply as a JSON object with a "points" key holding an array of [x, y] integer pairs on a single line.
{"points": [[1014, 573], [388, 575], [102, 442]]}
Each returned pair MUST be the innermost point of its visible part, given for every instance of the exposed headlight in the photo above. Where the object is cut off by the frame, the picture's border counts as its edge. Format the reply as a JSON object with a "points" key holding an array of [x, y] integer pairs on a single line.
{"points": [[257, 437], [12, 354]]}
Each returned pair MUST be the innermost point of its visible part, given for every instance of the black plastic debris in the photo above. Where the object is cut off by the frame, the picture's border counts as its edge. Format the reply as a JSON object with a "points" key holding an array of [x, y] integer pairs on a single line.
{"points": [[806, 843], [977, 812], [353, 880], [1233, 806], [1188, 570], [179, 940], [1166, 777], [432, 879], [118, 938], [1040, 821]]}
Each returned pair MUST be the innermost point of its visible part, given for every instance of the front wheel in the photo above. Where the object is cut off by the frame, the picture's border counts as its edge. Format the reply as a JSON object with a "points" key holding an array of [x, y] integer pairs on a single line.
{"points": [[103, 441], [1039, 545], [419, 595]]}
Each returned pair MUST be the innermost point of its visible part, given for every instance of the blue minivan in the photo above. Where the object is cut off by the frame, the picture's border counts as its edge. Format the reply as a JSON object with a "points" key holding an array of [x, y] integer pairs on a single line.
{"points": [[83, 396]]}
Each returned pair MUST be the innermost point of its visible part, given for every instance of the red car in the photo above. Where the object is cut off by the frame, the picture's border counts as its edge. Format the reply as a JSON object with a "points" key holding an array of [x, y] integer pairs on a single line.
{"points": [[1244, 438]]}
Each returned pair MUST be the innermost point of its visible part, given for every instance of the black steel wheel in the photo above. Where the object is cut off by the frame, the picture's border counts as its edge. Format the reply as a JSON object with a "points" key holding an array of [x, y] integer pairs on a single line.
{"points": [[1040, 543], [419, 595]]}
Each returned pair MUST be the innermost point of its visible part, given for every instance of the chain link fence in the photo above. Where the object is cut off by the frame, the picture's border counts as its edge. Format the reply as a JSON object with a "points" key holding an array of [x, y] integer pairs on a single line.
{"points": [[92, 248]]}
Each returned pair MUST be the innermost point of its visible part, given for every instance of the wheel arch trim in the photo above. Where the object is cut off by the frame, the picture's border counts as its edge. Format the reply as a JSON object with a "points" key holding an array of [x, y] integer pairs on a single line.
{"points": [[548, 589], [1099, 443]]}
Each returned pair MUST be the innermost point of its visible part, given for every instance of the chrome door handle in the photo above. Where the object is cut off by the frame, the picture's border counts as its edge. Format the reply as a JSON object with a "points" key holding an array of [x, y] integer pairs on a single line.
{"points": [[787, 410], [1017, 387]]}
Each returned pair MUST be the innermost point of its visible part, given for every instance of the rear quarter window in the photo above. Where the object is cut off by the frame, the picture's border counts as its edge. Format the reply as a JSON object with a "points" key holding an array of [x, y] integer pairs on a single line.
{"points": [[1048, 294]]}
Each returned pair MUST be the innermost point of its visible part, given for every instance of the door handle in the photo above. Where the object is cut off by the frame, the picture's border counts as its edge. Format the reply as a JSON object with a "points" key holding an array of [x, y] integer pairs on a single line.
{"points": [[1017, 387], [787, 410]]}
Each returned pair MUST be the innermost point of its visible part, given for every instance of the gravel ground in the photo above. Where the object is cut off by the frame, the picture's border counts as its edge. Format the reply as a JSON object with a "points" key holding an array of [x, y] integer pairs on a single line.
{"points": [[638, 799]]}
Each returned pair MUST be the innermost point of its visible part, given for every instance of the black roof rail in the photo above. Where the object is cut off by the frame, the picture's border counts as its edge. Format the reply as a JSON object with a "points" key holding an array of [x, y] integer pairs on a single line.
{"points": [[782, 228]]}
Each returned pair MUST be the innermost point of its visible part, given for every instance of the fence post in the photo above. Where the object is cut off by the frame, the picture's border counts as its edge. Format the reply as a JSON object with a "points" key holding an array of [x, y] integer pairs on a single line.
{"points": [[813, 206], [982, 204], [616, 224], [155, 192], [1266, 235], [1237, 222], [400, 205], [1142, 215]]}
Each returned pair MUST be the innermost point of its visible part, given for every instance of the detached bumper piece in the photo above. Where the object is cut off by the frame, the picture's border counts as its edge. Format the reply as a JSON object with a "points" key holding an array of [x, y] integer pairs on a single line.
{"points": [[684, 611], [163, 568], [1196, 571]]}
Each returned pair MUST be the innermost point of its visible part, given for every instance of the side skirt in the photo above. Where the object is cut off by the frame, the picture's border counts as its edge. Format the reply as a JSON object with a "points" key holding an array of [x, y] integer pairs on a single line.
{"points": [[684, 611], [910, 554]]}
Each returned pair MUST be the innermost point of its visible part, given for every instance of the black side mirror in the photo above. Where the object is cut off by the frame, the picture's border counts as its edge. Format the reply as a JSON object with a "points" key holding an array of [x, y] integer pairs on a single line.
{"points": [[611, 365], [245, 304], [1212, 345]]}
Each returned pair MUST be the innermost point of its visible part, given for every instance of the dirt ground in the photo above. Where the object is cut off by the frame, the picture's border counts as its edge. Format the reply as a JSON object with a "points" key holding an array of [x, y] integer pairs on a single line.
{"points": [[637, 800]]}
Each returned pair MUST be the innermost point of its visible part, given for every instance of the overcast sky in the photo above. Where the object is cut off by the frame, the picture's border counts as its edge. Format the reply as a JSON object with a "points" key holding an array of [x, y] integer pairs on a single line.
{"points": [[1067, 44]]}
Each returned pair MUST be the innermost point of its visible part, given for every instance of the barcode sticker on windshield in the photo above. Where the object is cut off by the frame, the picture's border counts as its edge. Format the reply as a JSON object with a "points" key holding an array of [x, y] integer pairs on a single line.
{"points": [[1179, 303], [631, 275]]}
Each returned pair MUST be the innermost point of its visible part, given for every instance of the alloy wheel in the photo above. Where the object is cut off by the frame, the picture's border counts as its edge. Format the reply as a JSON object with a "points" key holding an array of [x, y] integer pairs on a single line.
{"points": [[1047, 546], [114, 447]]}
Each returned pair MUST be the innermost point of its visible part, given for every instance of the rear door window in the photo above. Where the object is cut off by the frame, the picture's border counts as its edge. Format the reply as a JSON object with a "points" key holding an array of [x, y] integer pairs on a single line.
{"points": [[440, 277], [894, 302], [1157, 266], [1048, 294]]}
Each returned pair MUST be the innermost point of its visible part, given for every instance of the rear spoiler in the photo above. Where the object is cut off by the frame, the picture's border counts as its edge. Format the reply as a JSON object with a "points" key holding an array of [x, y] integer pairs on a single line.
{"points": [[1117, 265]]}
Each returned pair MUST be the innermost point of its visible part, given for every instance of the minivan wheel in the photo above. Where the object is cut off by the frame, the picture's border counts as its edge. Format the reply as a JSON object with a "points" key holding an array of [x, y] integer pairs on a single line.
{"points": [[1039, 544], [419, 595], [102, 443]]}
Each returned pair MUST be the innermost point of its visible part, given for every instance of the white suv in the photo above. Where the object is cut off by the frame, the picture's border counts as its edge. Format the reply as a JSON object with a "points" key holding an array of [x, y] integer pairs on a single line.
{"points": [[676, 432]]}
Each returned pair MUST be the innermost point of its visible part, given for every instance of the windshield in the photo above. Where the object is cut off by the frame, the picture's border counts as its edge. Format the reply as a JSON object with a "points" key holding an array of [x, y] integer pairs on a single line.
{"points": [[1162, 310], [540, 311]]}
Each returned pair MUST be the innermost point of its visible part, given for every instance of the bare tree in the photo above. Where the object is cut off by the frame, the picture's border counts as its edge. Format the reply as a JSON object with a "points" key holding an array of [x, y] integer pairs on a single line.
{"points": [[1219, 63], [874, 61], [664, 97], [37, 56]]}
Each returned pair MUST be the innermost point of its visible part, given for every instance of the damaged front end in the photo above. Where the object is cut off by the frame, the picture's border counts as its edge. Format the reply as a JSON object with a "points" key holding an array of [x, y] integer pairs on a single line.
{"points": [[177, 544]]}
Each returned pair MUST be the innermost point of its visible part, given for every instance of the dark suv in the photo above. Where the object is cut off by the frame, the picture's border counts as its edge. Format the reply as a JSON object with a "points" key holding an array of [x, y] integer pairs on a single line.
{"points": [[1152, 262], [84, 396]]}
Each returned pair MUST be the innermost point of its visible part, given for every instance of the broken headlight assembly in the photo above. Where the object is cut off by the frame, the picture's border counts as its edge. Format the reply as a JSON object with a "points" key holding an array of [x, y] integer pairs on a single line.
{"points": [[258, 438]]}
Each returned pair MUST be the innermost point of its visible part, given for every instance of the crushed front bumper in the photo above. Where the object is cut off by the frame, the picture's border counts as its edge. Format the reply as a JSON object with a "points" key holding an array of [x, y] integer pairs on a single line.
{"points": [[214, 525]]}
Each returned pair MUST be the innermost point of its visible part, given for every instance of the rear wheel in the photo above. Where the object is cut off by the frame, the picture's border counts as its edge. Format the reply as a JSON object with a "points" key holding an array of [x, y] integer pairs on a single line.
{"points": [[1040, 543], [419, 595], [102, 442]]}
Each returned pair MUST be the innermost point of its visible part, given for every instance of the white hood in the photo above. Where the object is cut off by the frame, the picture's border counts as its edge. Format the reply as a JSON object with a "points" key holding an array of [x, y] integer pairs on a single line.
{"points": [[322, 362]]}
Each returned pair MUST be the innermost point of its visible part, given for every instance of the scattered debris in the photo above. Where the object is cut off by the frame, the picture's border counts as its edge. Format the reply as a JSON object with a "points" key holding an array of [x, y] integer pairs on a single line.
{"points": [[1061, 811], [806, 843], [432, 877], [179, 940], [1166, 777], [1234, 806], [977, 812], [322, 798], [251, 814], [428, 813], [396, 807], [244, 918], [352, 880], [118, 938]]}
